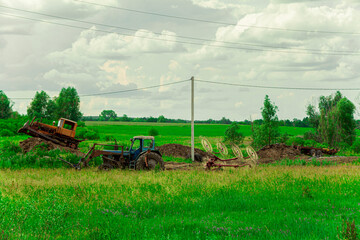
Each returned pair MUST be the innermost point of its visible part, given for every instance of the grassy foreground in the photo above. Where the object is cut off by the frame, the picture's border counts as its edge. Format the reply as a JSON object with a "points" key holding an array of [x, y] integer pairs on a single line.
{"points": [[266, 203]]}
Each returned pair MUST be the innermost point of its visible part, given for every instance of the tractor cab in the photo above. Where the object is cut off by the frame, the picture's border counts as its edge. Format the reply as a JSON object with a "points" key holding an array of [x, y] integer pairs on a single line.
{"points": [[66, 127], [140, 144]]}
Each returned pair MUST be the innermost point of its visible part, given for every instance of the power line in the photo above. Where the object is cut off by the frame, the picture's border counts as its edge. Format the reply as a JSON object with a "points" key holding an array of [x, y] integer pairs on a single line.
{"points": [[217, 22], [120, 91], [133, 90], [176, 41], [278, 87], [179, 36]]}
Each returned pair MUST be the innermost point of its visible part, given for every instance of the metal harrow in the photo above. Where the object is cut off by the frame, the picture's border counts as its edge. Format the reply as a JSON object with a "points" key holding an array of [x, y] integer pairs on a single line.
{"points": [[250, 161]]}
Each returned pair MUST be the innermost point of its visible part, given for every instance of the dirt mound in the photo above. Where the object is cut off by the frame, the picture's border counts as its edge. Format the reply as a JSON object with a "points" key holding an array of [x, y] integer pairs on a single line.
{"points": [[181, 151], [30, 143], [278, 151]]}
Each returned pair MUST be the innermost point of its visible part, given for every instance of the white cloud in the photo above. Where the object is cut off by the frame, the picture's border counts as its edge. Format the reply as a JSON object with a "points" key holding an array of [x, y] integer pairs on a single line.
{"points": [[236, 7], [90, 44], [38, 56]]}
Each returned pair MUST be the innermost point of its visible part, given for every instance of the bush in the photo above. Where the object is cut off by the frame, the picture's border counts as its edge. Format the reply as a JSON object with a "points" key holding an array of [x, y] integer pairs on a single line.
{"points": [[81, 124], [295, 141], [232, 134], [284, 138], [153, 132], [6, 133], [92, 135], [86, 133], [355, 147], [310, 135], [10, 147]]}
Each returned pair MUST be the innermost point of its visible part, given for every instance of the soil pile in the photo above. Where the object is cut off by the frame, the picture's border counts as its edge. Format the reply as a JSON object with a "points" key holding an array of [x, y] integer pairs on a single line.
{"points": [[181, 151], [278, 151], [30, 143]]}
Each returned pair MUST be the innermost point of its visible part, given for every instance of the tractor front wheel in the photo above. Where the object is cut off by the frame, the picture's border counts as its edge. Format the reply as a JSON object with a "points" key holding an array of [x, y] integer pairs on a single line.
{"points": [[149, 161]]}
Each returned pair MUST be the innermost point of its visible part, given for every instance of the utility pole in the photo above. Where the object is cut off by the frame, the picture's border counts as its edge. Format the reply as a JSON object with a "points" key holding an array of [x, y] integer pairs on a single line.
{"points": [[192, 120]]}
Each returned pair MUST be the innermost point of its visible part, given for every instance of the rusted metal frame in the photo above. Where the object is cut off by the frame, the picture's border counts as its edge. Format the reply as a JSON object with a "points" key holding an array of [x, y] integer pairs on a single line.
{"points": [[92, 153], [111, 160], [326, 151], [36, 134], [211, 164], [76, 166], [109, 145]]}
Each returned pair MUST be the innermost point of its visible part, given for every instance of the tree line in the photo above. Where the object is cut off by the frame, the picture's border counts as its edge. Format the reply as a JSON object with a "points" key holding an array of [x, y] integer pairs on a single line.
{"points": [[111, 115], [66, 105], [332, 120]]}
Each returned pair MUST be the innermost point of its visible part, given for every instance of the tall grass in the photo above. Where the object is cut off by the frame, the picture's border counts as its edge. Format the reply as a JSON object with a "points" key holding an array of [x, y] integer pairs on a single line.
{"points": [[268, 203]]}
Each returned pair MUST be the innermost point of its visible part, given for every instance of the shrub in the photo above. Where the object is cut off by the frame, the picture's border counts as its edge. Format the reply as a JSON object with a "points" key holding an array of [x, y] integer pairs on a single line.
{"points": [[355, 146], [11, 147], [284, 138], [310, 135], [232, 134], [153, 132], [86, 133], [92, 135], [81, 124], [6, 133], [295, 141]]}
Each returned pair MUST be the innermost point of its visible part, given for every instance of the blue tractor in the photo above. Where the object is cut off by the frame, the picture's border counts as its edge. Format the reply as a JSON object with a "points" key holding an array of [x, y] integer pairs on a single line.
{"points": [[141, 155]]}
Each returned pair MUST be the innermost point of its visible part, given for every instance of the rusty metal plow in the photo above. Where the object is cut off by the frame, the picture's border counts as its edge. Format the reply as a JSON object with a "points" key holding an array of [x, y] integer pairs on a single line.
{"points": [[250, 161]]}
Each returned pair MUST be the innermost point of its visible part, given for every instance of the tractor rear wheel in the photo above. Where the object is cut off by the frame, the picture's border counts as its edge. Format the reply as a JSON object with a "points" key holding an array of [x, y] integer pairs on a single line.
{"points": [[149, 161]]}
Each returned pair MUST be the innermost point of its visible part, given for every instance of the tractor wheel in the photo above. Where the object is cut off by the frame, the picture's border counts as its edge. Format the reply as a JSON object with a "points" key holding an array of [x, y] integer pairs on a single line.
{"points": [[152, 159]]}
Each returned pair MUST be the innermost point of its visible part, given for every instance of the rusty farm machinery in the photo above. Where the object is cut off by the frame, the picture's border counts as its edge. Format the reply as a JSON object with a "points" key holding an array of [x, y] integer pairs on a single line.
{"points": [[141, 155], [218, 163], [63, 134]]}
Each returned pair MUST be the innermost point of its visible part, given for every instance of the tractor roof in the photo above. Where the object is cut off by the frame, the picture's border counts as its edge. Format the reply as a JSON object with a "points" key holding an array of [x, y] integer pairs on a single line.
{"points": [[67, 120], [144, 137]]}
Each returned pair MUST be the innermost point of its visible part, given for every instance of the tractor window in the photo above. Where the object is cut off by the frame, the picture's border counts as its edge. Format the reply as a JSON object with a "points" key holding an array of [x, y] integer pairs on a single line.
{"points": [[148, 143], [61, 123], [136, 144], [69, 125]]}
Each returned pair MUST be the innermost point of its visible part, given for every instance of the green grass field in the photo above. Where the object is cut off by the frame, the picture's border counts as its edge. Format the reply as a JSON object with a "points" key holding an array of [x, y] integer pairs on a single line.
{"points": [[174, 132], [266, 203], [278, 201]]}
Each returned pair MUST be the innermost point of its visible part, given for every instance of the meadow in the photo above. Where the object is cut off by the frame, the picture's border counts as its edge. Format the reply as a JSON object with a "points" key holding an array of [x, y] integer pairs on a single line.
{"points": [[175, 132], [43, 199], [266, 203]]}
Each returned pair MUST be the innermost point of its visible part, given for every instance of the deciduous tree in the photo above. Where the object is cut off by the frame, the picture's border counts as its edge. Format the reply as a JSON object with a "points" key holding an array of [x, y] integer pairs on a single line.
{"points": [[334, 120], [68, 104], [233, 134], [268, 132], [5, 106], [38, 106], [107, 115]]}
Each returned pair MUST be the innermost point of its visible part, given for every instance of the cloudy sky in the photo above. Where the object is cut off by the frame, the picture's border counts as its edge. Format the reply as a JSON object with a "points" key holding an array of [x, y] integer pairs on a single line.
{"points": [[130, 44]]}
